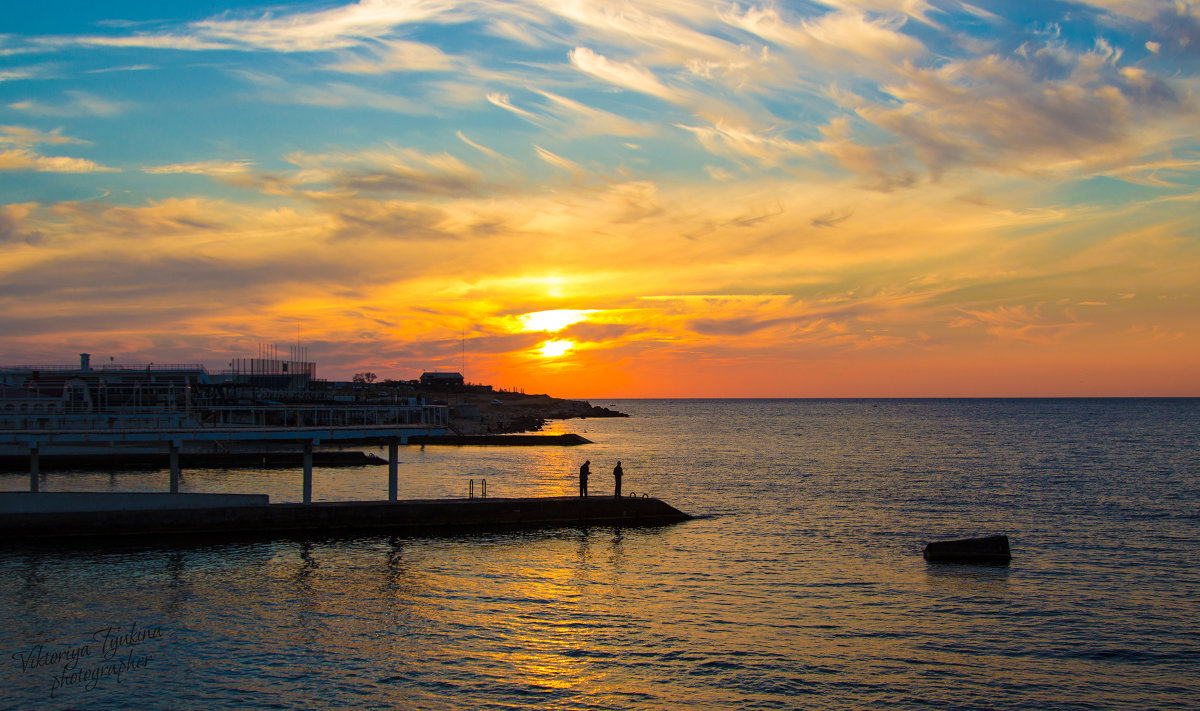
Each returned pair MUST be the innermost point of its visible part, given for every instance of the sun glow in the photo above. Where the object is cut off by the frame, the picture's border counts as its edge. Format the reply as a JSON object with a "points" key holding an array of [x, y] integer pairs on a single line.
{"points": [[555, 320], [554, 349]]}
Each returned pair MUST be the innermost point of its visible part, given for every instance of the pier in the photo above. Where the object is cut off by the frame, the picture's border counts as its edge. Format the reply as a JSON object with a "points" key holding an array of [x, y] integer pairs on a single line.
{"points": [[261, 406], [174, 439], [49, 517]]}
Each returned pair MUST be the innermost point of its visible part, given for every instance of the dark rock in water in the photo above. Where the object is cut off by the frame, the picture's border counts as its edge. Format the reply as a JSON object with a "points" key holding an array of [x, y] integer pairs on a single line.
{"points": [[989, 549]]}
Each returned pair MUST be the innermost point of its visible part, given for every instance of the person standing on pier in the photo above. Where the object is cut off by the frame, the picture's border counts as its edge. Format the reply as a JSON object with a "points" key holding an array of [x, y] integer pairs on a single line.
{"points": [[584, 470], [618, 472]]}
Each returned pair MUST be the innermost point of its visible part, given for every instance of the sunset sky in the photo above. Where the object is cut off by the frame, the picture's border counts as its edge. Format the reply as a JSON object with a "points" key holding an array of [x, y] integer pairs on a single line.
{"points": [[613, 199]]}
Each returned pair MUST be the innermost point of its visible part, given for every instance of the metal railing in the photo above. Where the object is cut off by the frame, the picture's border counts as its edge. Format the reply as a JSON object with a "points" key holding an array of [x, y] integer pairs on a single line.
{"points": [[222, 417], [106, 368]]}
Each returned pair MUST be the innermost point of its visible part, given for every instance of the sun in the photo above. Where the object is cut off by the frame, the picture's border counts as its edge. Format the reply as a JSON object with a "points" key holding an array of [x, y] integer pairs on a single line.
{"points": [[554, 349], [555, 320]]}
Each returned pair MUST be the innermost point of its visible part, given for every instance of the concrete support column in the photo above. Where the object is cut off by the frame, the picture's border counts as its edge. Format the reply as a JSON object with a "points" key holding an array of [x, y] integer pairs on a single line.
{"points": [[308, 449], [174, 449], [34, 466], [393, 459]]}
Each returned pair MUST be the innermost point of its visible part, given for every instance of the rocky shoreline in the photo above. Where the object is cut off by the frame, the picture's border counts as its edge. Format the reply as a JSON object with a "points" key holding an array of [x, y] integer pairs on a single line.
{"points": [[503, 440], [473, 413]]}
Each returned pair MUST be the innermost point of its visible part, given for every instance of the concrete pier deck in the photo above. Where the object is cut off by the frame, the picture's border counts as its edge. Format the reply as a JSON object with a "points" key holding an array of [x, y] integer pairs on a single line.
{"points": [[24, 518], [122, 461]]}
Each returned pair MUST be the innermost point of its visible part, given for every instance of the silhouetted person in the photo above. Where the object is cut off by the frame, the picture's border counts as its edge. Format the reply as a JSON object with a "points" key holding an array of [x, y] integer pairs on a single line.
{"points": [[584, 470], [618, 472]]}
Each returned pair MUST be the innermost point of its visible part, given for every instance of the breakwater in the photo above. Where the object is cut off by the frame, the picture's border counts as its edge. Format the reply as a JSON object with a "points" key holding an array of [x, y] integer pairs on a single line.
{"points": [[126, 517], [503, 440]]}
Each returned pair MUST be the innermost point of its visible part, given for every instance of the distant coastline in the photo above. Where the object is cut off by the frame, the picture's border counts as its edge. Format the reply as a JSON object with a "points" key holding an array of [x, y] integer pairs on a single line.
{"points": [[501, 412]]}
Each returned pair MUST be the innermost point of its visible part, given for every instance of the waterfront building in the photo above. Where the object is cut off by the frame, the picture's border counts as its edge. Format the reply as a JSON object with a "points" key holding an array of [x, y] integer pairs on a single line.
{"points": [[41, 402], [442, 380]]}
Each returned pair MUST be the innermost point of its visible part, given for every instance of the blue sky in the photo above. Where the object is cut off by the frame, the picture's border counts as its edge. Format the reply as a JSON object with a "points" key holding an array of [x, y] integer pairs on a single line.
{"points": [[864, 197]]}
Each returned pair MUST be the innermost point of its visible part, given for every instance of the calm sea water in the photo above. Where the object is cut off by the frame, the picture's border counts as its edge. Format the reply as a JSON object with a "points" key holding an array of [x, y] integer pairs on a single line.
{"points": [[802, 585]]}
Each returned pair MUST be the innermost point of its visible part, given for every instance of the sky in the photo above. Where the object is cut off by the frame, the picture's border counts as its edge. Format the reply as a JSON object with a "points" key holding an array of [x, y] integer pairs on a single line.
{"points": [[595, 199]]}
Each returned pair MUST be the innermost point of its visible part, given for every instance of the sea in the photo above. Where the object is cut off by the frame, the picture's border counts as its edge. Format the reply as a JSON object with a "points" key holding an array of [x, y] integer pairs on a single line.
{"points": [[800, 584]]}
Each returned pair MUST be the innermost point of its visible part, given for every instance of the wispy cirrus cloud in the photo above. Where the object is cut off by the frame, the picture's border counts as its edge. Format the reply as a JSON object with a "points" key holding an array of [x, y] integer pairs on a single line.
{"points": [[123, 68], [332, 95], [625, 75], [558, 161], [17, 74], [397, 56], [390, 170], [20, 159], [578, 119], [479, 147], [208, 167], [503, 101], [566, 117], [1147, 10], [843, 39], [167, 41], [25, 136], [741, 143], [670, 34], [1020, 323], [75, 104], [1158, 171], [335, 28]]}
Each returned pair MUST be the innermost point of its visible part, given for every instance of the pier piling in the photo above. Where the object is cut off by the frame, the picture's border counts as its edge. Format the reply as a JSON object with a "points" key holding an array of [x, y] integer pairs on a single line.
{"points": [[308, 459], [393, 459], [174, 447], [34, 466]]}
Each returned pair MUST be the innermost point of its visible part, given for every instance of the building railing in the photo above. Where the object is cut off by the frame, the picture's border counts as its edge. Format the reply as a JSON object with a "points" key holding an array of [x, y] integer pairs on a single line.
{"points": [[227, 416], [109, 368]]}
